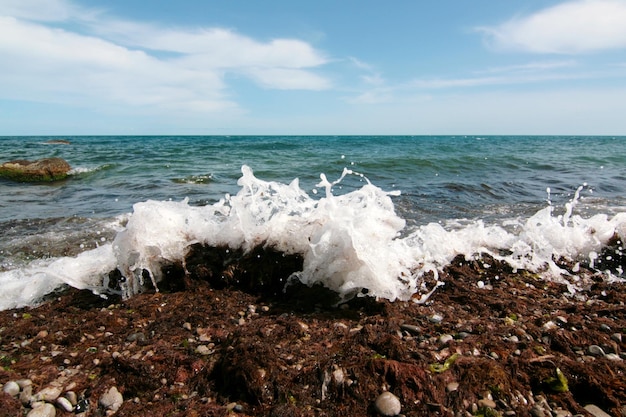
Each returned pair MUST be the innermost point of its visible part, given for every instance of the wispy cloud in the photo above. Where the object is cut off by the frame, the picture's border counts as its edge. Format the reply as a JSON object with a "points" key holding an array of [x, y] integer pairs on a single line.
{"points": [[573, 27], [55, 51]]}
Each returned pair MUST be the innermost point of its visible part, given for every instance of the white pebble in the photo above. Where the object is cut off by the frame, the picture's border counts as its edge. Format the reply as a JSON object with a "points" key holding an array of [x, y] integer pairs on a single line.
{"points": [[65, 404], [112, 399], [45, 410], [11, 388], [388, 404], [48, 394]]}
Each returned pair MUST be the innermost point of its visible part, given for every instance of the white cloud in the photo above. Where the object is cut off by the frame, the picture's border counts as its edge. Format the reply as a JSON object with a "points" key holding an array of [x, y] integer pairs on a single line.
{"points": [[113, 62], [572, 27]]}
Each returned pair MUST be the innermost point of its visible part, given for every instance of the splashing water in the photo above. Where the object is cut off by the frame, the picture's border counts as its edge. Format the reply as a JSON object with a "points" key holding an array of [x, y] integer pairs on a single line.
{"points": [[349, 243]]}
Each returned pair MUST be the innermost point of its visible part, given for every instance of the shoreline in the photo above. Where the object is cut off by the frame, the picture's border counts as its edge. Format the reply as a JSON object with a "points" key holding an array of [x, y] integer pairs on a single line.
{"points": [[514, 346]]}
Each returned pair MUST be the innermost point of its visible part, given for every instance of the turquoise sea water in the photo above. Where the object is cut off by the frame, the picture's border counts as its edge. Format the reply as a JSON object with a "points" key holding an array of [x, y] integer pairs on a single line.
{"points": [[446, 180], [439, 177]]}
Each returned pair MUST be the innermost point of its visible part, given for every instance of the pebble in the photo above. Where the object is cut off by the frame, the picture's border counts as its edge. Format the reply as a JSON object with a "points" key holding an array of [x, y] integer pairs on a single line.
{"points": [[605, 327], [596, 411], [187, 326], [411, 328], [45, 410], [452, 386], [11, 388], [71, 397], [112, 399], [595, 350], [387, 404], [136, 337], [485, 402], [203, 350], [49, 394], [436, 318], [617, 337], [445, 338], [613, 357], [65, 404]]}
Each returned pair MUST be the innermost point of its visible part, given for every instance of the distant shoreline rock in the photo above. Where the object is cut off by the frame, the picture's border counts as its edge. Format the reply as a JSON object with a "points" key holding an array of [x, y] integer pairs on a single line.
{"points": [[58, 142], [41, 170]]}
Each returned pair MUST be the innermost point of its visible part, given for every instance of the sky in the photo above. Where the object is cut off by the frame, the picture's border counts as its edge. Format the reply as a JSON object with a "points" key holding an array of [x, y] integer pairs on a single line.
{"points": [[324, 67]]}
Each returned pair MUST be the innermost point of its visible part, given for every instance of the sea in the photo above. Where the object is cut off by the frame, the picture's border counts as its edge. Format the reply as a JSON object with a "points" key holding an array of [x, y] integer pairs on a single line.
{"points": [[373, 213]]}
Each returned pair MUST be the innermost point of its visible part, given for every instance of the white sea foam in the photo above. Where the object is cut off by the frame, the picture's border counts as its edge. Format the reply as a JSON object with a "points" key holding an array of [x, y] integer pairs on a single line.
{"points": [[349, 242]]}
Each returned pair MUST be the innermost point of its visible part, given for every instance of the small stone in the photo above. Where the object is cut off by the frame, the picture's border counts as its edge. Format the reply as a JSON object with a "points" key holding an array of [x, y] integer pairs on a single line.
{"points": [[71, 397], [485, 402], [595, 350], [612, 357], [538, 411], [411, 328], [605, 327], [48, 394], [65, 404], [11, 388], [445, 339], [111, 399], [617, 337], [45, 410], [136, 337], [24, 383], [436, 318], [26, 396], [452, 386], [596, 411], [203, 350], [187, 326], [388, 404]]}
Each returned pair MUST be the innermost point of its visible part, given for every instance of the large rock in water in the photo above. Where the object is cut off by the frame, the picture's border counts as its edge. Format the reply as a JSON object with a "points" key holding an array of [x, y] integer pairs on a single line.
{"points": [[47, 169]]}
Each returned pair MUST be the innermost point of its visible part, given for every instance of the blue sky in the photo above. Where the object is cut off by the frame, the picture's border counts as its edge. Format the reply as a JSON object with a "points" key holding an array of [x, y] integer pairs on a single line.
{"points": [[88, 67]]}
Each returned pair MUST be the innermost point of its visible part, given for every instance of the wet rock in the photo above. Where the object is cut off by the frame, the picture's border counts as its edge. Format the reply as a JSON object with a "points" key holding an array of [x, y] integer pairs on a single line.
{"points": [[47, 169], [111, 399], [617, 337], [387, 404], [44, 410]]}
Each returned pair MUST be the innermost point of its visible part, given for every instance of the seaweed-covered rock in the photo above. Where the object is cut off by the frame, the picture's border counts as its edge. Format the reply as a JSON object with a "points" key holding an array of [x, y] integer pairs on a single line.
{"points": [[47, 169]]}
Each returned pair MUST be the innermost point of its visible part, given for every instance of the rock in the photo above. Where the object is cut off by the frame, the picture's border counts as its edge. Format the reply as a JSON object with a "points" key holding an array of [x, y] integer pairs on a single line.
{"points": [[47, 169], [617, 337], [596, 411], [45, 410], [596, 350], [48, 394], [11, 388], [112, 399], [445, 339], [65, 404], [486, 403], [411, 328], [387, 404]]}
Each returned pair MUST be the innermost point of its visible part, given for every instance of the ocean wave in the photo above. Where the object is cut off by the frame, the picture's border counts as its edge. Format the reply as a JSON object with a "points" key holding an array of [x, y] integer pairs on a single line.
{"points": [[353, 243]]}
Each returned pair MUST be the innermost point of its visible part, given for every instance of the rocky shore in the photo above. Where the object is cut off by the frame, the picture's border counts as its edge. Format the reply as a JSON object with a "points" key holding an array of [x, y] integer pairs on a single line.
{"points": [[490, 342]]}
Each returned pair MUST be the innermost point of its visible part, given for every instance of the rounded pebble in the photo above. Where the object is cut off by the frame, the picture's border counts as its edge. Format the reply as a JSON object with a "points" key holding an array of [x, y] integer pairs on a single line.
{"points": [[65, 404], [11, 388], [617, 337], [49, 394], [445, 338], [112, 399], [595, 350], [387, 404], [45, 410]]}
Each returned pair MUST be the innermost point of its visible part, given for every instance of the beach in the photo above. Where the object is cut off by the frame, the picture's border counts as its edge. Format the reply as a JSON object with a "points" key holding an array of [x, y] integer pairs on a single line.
{"points": [[488, 342]]}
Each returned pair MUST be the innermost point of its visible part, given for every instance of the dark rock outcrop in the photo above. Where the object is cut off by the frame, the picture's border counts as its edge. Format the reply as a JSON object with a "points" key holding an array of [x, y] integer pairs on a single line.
{"points": [[47, 169]]}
